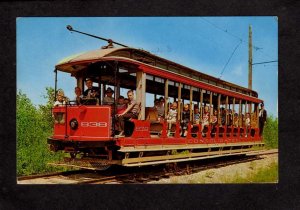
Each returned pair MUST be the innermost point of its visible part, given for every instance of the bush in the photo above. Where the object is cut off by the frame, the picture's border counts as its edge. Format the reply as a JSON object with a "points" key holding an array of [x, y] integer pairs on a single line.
{"points": [[33, 128], [271, 132]]}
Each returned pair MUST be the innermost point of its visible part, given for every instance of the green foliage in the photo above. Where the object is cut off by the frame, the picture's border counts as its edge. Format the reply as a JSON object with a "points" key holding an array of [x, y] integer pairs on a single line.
{"points": [[33, 127], [268, 174], [271, 132]]}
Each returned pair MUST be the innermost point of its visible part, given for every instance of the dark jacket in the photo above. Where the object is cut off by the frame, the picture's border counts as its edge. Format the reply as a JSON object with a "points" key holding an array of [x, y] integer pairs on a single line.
{"points": [[263, 118]]}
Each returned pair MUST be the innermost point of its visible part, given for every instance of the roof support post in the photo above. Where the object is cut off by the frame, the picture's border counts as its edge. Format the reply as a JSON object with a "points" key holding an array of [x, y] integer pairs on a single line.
{"points": [[219, 104], [179, 102], [191, 103], [257, 116], [210, 106], [141, 92], [55, 85], [226, 108], [166, 96], [240, 113], [201, 102]]}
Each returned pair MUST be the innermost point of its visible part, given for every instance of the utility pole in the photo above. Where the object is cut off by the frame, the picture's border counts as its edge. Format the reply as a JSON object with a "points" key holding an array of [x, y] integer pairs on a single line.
{"points": [[250, 59]]}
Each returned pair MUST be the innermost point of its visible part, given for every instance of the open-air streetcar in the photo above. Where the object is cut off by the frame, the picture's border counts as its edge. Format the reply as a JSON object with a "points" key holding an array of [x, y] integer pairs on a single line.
{"points": [[88, 131]]}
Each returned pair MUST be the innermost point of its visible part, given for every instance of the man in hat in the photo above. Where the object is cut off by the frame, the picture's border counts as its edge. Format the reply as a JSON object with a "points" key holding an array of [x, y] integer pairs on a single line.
{"points": [[108, 99], [91, 92], [262, 118]]}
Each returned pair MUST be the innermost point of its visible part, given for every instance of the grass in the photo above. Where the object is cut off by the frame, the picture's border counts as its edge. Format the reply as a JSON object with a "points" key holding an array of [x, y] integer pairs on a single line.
{"points": [[262, 175], [268, 174]]}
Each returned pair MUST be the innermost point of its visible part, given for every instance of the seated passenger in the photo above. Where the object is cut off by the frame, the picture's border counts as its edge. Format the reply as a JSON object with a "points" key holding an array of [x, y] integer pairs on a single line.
{"points": [[172, 116], [90, 92], [59, 117], [121, 106], [196, 115], [78, 97], [205, 118], [229, 117], [126, 101], [247, 123], [223, 116], [108, 99], [160, 108], [214, 118], [236, 120], [185, 120], [131, 111]]}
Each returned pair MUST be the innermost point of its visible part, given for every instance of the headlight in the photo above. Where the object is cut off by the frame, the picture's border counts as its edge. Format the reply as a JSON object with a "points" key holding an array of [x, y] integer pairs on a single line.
{"points": [[73, 124]]}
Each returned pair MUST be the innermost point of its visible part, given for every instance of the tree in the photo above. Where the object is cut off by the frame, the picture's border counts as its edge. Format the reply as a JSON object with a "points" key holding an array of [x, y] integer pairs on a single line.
{"points": [[34, 125], [271, 132]]}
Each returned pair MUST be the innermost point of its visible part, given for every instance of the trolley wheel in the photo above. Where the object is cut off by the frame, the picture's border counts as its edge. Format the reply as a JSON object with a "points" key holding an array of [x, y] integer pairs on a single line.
{"points": [[73, 154]]}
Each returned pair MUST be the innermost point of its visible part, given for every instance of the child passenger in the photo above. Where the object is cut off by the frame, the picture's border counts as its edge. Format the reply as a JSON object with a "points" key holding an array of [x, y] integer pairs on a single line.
{"points": [[172, 116], [196, 116], [59, 117], [121, 106]]}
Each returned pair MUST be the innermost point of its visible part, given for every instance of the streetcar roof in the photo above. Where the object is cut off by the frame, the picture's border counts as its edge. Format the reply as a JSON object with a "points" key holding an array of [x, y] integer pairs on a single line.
{"points": [[79, 61]]}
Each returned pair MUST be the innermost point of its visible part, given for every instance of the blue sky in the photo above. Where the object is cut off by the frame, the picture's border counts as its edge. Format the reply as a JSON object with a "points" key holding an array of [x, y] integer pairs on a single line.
{"points": [[202, 43]]}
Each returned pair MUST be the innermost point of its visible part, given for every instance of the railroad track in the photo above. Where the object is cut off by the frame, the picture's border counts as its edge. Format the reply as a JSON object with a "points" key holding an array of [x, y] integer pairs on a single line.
{"points": [[145, 174]]}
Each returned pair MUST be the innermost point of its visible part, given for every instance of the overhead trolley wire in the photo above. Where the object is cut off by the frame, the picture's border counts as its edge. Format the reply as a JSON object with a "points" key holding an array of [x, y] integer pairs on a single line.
{"points": [[230, 58], [233, 35]]}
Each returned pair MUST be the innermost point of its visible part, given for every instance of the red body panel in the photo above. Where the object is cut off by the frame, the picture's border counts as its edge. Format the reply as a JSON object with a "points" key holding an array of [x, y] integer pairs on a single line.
{"points": [[94, 123]]}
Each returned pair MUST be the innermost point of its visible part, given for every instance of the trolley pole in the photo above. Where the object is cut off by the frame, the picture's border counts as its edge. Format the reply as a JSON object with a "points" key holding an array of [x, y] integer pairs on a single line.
{"points": [[250, 59]]}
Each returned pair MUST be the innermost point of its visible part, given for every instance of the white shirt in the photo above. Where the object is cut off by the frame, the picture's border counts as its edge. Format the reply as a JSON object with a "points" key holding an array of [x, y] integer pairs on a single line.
{"points": [[58, 103], [261, 112], [172, 115]]}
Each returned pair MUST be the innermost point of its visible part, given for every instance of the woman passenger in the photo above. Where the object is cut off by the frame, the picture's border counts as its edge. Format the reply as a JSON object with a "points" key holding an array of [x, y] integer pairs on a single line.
{"points": [[214, 121], [205, 118]]}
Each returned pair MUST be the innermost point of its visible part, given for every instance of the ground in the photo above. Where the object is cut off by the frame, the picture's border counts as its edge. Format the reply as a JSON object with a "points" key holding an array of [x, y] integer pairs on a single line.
{"points": [[224, 174]]}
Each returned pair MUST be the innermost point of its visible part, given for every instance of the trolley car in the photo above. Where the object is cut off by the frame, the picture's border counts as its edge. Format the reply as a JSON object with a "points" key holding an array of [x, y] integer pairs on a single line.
{"points": [[88, 131]]}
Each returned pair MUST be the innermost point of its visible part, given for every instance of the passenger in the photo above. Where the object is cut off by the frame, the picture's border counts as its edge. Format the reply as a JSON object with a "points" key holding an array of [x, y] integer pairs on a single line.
{"points": [[121, 106], [262, 118], [59, 117], [131, 111], [91, 92], [247, 122], [243, 120], [214, 121], [236, 120], [108, 99], [205, 118], [78, 97], [229, 117], [126, 101], [214, 118], [185, 119], [196, 116], [161, 108], [223, 116], [156, 104], [172, 116]]}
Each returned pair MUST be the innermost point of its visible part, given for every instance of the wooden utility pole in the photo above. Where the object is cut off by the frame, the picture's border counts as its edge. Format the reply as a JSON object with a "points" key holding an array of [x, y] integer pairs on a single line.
{"points": [[250, 59]]}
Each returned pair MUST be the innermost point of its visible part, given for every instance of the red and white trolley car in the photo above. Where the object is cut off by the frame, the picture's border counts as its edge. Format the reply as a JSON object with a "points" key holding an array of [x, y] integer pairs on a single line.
{"points": [[88, 130]]}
